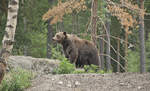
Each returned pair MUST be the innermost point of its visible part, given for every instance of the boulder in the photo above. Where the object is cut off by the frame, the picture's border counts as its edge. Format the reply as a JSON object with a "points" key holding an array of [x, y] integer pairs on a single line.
{"points": [[38, 65]]}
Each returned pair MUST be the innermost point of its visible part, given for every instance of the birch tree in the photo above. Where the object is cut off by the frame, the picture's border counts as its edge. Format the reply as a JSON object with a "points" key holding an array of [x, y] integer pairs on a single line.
{"points": [[8, 39]]}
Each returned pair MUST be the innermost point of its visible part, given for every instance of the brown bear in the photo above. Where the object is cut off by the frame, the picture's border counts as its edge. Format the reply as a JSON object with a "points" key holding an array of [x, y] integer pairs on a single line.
{"points": [[79, 51]]}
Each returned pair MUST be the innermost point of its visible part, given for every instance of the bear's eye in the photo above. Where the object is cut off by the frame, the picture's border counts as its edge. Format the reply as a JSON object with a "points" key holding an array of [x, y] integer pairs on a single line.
{"points": [[58, 36]]}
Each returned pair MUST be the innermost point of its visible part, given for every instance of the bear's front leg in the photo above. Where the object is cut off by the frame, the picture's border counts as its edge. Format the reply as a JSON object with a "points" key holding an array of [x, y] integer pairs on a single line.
{"points": [[66, 55], [73, 55]]}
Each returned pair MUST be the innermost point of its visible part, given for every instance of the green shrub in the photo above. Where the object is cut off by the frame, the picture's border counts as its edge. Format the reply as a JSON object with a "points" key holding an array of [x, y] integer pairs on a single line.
{"points": [[133, 61], [78, 71], [57, 54], [93, 69], [16, 80], [65, 67]]}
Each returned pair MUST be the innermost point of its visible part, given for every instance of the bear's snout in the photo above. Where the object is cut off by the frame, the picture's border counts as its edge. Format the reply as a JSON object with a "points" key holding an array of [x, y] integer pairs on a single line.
{"points": [[54, 39]]}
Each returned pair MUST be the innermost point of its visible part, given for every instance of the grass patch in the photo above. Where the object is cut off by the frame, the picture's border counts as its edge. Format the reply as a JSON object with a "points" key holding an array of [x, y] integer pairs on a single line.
{"points": [[16, 80]]}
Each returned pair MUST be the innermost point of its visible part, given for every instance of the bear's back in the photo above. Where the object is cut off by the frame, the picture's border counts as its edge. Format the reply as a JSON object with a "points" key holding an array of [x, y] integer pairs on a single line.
{"points": [[80, 42]]}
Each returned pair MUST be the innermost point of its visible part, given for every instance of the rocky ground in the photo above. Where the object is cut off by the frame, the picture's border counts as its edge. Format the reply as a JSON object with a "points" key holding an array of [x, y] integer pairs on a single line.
{"points": [[92, 82], [45, 81]]}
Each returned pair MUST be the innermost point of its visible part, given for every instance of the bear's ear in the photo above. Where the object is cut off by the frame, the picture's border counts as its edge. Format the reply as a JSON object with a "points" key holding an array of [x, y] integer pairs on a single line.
{"points": [[64, 33]]}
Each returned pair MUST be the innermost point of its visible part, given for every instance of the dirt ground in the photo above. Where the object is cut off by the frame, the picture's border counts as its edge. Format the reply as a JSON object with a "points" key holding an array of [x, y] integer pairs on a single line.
{"points": [[45, 81], [92, 82]]}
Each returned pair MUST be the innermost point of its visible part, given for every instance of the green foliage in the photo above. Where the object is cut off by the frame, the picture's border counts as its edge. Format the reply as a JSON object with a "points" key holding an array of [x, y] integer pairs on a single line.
{"points": [[133, 61], [16, 80], [65, 67], [2, 26], [93, 69], [31, 34], [56, 54], [38, 44], [78, 71], [148, 54], [134, 58]]}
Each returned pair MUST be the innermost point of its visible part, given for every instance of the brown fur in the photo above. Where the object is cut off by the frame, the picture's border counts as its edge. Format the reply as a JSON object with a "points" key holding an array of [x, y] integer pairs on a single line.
{"points": [[79, 51]]}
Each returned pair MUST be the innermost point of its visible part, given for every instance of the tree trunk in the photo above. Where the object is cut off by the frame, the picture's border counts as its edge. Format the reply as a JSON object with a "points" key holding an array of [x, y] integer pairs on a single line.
{"points": [[147, 27], [49, 34], [94, 20], [108, 61], [61, 24], [102, 52], [60, 27], [94, 24], [75, 22], [49, 39], [25, 49], [118, 56], [126, 47], [141, 39], [8, 39]]}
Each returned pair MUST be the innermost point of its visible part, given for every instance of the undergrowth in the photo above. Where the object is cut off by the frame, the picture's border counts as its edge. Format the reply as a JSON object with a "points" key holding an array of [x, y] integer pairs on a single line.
{"points": [[66, 67], [16, 80]]}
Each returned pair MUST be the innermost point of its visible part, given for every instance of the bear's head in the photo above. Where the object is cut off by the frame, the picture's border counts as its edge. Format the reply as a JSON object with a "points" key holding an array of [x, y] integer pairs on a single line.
{"points": [[59, 37]]}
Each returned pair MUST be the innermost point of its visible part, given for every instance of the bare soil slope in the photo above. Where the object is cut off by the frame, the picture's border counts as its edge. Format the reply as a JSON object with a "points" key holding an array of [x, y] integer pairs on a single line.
{"points": [[92, 82]]}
